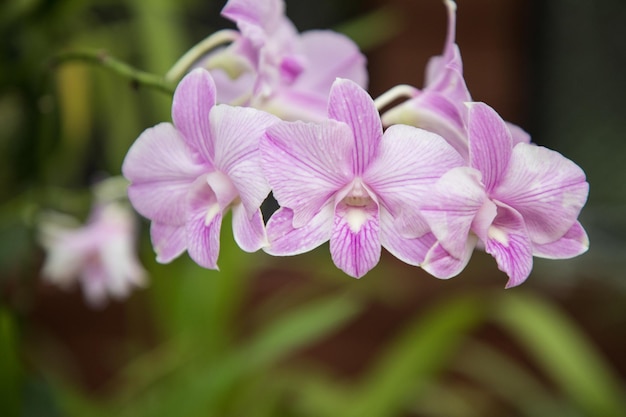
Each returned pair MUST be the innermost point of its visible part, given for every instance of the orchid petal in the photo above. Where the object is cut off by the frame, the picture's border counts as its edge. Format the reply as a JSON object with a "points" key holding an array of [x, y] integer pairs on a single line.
{"points": [[546, 188], [440, 264], [306, 164], [249, 233], [204, 221], [238, 131], [573, 243], [169, 241], [409, 161], [161, 168], [409, 250], [355, 242], [349, 103], [490, 143], [193, 100], [255, 18], [518, 134], [285, 240], [508, 242], [454, 202]]}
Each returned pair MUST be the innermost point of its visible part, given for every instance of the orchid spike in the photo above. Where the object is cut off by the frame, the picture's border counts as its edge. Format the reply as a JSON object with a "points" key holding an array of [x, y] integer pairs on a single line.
{"points": [[185, 176], [278, 69], [518, 199], [100, 255], [439, 106], [344, 180]]}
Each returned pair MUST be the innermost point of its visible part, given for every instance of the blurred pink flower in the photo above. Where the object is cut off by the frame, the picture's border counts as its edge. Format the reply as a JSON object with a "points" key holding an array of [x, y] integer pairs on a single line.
{"points": [[100, 255], [280, 70]]}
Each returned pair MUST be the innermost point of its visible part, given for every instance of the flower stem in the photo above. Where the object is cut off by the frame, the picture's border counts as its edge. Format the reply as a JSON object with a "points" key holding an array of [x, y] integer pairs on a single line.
{"points": [[103, 59], [203, 47]]}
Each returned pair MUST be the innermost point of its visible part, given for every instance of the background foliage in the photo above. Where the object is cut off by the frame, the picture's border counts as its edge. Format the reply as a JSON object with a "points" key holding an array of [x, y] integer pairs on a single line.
{"points": [[295, 337]]}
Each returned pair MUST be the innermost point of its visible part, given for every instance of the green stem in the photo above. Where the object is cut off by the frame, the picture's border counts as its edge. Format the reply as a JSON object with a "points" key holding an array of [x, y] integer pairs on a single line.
{"points": [[103, 59]]}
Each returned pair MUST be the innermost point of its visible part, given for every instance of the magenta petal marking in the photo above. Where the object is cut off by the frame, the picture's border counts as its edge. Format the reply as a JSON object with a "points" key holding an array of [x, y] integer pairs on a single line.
{"points": [[508, 242], [355, 242], [249, 233], [409, 250], [490, 143], [306, 163], [193, 100], [573, 243], [454, 203], [440, 264], [349, 103], [546, 188], [285, 240], [161, 168], [169, 241]]}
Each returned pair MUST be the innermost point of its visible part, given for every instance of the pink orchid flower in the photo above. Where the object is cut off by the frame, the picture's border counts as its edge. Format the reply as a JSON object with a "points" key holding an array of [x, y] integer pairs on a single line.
{"points": [[289, 74], [439, 106], [99, 255], [517, 199], [344, 180], [185, 176]]}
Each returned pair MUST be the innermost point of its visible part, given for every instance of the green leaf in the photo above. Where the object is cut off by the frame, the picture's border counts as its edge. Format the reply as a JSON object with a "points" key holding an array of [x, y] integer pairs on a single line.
{"points": [[564, 353]]}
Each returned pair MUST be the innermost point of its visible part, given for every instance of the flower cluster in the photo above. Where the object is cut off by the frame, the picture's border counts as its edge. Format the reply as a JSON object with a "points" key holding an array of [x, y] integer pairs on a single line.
{"points": [[429, 180]]}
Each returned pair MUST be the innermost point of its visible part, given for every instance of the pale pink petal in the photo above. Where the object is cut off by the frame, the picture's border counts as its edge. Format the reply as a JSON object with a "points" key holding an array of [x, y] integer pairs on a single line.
{"points": [[450, 57], [306, 164], [330, 55], [349, 103], [355, 242], [440, 264], [161, 168], [238, 131], [518, 134], [204, 221], [231, 91], [285, 240], [411, 251], [255, 18], [169, 241], [490, 143], [546, 188], [435, 113], [249, 232], [508, 242], [193, 100], [409, 161], [573, 243], [453, 204]]}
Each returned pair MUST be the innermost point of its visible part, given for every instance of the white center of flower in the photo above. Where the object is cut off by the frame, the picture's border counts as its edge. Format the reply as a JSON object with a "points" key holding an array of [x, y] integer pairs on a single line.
{"points": [[358, 196], [211, 213], [498, 235], [356, 218], [357, 200]]}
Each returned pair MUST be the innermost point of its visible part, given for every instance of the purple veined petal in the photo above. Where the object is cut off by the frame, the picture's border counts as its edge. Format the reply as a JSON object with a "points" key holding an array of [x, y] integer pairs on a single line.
{"points": [[169, 242], [238, 131], [161, 169], [255, 18], [306, 164], [409, 250], [440, 264], [285, 240], [508, 242], [349, 103], [330, 55], [193, 100], [291, 104], [435, 113], [409, 161], [452, 207], [575, 242], [546, 188], [249, 233], [490, 143], [450, 57], [204, 221], [518, 134], [355, 241]]}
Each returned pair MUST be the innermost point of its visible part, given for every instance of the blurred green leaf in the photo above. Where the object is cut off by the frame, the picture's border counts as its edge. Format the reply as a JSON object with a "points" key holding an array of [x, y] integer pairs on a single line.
{"points": [[412, 361], [564, 353], [10, 366]]}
